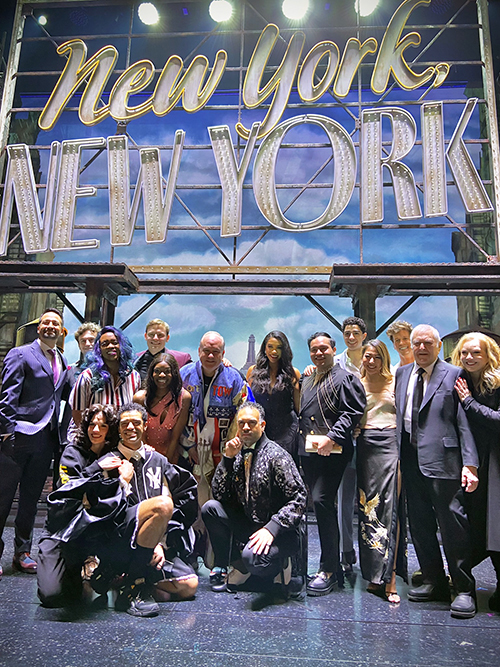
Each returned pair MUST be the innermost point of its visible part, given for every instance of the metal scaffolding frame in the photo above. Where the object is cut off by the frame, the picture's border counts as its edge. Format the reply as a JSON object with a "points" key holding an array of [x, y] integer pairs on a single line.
{"points": [[197, 279]]}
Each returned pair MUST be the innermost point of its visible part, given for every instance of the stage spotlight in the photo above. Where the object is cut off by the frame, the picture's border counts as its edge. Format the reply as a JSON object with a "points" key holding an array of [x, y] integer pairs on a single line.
{"points": [[365, 7], [148, 13], [220, 10], [42, 20], [295, 9]]}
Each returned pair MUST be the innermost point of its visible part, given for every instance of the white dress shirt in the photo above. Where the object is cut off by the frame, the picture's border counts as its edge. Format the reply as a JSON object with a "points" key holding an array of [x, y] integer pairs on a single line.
{"points": [[426, 376]]}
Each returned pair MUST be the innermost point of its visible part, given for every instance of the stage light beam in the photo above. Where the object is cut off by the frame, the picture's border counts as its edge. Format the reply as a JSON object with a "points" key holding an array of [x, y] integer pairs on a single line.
{"points": [[148, 13], [365, 7], [220, 10], [295, 9]]}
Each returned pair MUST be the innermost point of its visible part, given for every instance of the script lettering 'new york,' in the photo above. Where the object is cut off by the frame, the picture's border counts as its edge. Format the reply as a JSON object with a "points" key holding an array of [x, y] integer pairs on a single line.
{"points": [[194, 88], [54, 229]]}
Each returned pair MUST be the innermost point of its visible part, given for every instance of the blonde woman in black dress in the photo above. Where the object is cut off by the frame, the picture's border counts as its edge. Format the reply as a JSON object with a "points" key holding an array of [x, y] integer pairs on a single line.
{"points": [[381, 538], [479, 393]]}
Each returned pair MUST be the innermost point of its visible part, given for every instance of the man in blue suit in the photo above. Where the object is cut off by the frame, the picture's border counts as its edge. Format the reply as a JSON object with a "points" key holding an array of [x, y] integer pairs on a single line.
{"points": [[439, 463], [34, 379]]}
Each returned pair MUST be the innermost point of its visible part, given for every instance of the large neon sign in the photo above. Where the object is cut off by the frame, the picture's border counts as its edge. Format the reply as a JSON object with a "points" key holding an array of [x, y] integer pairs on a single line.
{"points": [[54, 228], [194, 88]]}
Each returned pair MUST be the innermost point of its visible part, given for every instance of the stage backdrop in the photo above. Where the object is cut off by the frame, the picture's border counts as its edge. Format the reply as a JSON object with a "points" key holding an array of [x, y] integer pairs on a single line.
{"points": [[256, 143]]}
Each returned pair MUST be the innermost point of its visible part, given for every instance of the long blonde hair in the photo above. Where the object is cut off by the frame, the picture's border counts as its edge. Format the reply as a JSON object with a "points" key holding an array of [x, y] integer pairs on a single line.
{"points": [[489, 379], [381, 348]]}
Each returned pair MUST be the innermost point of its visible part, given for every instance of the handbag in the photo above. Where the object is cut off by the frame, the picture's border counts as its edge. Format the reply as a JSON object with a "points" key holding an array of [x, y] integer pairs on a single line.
{"points": [[311, 443]]}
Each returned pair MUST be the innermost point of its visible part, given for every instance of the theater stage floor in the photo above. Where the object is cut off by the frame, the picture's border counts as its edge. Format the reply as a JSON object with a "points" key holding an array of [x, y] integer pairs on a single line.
{"points": [[347, 627]]}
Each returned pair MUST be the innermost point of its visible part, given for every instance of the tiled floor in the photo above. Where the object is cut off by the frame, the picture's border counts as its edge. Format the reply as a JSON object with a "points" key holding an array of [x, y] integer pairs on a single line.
{"points": [[348, 627]]}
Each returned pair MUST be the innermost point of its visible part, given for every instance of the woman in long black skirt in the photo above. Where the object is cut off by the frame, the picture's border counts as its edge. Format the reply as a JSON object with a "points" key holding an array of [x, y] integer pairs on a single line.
{"points": [[382, 548]]}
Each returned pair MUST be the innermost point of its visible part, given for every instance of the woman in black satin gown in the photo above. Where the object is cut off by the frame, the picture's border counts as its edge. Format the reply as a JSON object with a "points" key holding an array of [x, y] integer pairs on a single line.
{"points": [[382, 534], [275, 385]]}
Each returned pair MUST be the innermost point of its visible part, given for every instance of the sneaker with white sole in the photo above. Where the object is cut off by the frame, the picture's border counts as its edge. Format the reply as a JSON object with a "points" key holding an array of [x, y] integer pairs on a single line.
{"points": [[136, 600]]}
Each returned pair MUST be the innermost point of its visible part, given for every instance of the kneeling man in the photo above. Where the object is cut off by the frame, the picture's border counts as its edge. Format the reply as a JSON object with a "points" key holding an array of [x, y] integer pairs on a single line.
{"points": [[148, 545], [259, 500]]}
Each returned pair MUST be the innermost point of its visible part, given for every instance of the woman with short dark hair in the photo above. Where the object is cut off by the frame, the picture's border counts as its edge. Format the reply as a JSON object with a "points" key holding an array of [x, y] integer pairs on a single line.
{"points": [[97, 435]]}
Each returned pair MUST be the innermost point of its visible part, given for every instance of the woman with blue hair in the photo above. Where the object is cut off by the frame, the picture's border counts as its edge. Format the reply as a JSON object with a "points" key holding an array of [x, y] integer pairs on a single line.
{"points": [[110, 377]]}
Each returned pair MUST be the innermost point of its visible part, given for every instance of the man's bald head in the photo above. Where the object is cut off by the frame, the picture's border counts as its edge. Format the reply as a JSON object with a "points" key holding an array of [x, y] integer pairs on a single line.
{"points": [[426, 344], [211, 352]]}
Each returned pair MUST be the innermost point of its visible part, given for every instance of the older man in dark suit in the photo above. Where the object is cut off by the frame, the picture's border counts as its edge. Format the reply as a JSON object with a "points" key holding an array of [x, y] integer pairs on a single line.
{"points": [[439, 462], [34, 379]]}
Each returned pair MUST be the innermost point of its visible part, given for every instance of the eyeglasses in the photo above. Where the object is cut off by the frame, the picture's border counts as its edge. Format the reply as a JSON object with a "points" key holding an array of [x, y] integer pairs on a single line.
{"points": [[135, 422], [249, 422], [109, 343]]}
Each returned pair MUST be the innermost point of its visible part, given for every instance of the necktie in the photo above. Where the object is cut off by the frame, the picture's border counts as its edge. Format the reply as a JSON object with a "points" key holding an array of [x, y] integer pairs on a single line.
{"points": [[418, 394], [139, 479], [55, 368], [247, 461]]}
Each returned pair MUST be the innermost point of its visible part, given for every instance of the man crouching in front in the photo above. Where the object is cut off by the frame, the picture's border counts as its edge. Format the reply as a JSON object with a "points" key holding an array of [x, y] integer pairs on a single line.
{"points": [[153, 539], [259, 500]]}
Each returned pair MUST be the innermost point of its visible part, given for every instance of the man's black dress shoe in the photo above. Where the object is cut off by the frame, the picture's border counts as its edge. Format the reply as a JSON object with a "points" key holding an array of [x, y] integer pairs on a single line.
{"points": [[24, 563], [429, 592], [321, 584], [417, 578], [463, 606]]}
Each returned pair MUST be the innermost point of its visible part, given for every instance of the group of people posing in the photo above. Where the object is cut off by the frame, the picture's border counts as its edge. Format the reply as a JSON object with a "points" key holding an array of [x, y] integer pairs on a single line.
{"points": [[164, 459]]}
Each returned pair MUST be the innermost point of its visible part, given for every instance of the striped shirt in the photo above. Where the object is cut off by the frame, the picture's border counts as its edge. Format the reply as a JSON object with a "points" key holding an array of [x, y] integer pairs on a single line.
{"points": [[82, 395]]}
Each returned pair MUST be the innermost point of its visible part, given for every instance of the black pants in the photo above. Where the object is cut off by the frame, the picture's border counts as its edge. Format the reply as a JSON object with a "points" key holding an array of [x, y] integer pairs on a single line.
{"points": [[226, 525], [431, 503], [323, 475], [59, 570], [28, 467]]}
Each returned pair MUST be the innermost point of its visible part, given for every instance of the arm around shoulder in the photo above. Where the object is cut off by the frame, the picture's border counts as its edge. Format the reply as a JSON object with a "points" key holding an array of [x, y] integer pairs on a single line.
{"points": [[352, 403], [140, 397], [488, 417]]}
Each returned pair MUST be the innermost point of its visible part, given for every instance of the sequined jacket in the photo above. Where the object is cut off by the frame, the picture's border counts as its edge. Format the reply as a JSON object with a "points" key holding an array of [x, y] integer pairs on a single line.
{"points": [[277, 497]]}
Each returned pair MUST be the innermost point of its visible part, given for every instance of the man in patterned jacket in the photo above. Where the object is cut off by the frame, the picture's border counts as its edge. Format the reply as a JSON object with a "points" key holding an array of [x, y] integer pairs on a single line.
{"points": [[216, 393], [259, 499]]}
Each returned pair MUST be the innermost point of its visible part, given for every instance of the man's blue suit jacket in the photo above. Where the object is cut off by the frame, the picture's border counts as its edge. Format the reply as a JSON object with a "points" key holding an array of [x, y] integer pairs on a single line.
{"points": [[29, 399], [445, 442]]}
